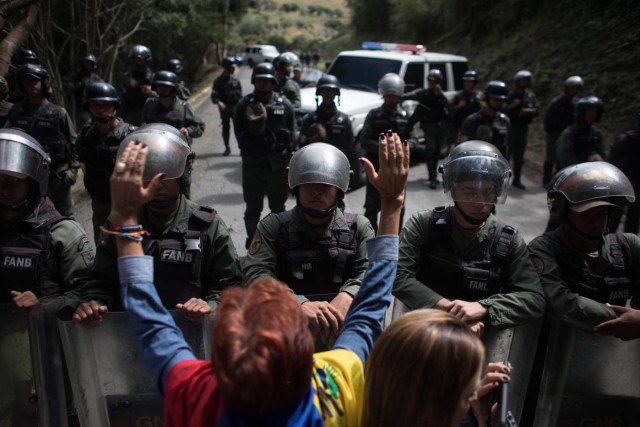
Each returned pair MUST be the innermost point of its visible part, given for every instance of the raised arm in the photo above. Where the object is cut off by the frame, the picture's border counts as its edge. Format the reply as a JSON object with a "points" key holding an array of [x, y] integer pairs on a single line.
{"points": [[364, 319]]}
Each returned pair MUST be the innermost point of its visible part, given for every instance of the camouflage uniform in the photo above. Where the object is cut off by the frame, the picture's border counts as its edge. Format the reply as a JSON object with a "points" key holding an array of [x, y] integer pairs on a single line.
{"points": [[291, 91], [519, 128], [228, 90], [559, 116], [133, 99], [493, 129]]}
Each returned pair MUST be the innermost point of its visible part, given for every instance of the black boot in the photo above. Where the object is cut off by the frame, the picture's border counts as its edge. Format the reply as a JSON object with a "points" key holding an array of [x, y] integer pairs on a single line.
{"points": [[547, 171], [517, 171]]}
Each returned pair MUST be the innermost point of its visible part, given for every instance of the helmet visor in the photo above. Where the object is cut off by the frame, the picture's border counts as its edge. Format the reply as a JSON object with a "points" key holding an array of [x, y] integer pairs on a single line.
{"points": [[476, 179]]}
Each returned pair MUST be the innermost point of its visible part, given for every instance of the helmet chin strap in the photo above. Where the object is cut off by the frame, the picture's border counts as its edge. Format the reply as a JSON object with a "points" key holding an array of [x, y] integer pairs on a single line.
{"points": [[15, 208], [471, 220], [319, 214]]}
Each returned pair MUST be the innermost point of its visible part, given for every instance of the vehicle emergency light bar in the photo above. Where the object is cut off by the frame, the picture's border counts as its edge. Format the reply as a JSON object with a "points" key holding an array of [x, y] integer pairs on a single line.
{"points": [[394, 46]]}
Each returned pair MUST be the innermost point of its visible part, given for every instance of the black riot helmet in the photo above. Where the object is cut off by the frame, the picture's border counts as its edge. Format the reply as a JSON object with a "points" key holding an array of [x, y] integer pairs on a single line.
{"points": [[470, 75], [497, 90], [27, 56], [587, 102], [166, 78], [174, 65], [435, 75], [140, 51], [328, 81], [37, 71], [101, 92], [90, 57], [264, 70], [229, 62]]}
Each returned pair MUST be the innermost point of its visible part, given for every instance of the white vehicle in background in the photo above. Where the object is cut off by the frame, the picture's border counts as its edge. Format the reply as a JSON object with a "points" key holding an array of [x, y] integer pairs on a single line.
{"points": [[257, 53], [360, 70]]}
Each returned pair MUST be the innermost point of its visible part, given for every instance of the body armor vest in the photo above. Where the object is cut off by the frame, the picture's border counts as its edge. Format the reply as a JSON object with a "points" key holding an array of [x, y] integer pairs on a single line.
{"points": [[229, 90], [563, 114], [24, 257], [527, 100], [586, 140], [99, 158], [613, 286], [172, 116], [44, 125], [337, 126], [177, 259], [133, 81], [315, 269], [473, 104], [454, 277], [276, 137], [397, 121]]}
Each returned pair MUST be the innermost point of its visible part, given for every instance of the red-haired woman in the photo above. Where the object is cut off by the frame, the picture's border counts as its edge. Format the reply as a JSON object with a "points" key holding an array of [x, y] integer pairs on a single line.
{"points": [[263, 370]]}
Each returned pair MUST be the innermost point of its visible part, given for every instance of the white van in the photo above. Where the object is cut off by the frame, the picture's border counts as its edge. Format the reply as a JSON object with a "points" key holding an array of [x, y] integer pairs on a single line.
{"points": [[258, 53]]}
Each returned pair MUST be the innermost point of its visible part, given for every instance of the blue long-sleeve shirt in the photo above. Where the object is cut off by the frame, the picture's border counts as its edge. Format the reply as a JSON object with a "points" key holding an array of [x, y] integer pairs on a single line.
{"points": [[163, 343]]}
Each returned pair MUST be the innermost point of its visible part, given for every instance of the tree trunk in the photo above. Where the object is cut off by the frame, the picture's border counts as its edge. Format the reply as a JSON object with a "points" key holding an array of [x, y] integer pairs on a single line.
{"points": [[19, 32]]}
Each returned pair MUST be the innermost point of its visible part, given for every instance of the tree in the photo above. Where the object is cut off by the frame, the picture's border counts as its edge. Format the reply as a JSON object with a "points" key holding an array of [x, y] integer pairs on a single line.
{"points": [[17, 18]]}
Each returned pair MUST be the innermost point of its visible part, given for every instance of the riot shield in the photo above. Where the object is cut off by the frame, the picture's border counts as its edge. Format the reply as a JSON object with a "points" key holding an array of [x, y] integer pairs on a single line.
{"points": [[32, 388], [588, 380], [516, 345], [111, 384]]}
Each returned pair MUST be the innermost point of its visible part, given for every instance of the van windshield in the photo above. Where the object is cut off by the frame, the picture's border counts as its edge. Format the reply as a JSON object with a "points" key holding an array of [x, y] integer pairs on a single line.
{"points": [[361, 73]]}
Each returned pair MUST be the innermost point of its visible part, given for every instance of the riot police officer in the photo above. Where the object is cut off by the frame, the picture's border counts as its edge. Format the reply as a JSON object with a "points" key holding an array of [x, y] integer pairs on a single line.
{"points": [[175, 66], [5, 105], [194, 256], [522, 107], [625, 154], [85, 77], [264, 124], [461, 258], [466, 101], [168, 108], [316, 248], [51, 126], [97, 147], [582, 141], [433, 114], [137, 84], [389, 117], [24, 56], [283, 64], [560, 115], [490, 123], [327, 124], [581, 265], [226, 93], [43, 254]]}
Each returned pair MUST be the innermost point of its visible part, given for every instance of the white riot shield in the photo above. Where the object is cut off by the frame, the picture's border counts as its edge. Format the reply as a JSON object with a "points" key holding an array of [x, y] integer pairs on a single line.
{"points": [[111, 384], [32, 388], [589, 380], [516, 345]]}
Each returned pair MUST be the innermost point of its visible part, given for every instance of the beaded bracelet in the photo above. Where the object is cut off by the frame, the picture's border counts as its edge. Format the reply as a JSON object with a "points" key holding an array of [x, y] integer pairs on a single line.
{"points": [[131, 232]]}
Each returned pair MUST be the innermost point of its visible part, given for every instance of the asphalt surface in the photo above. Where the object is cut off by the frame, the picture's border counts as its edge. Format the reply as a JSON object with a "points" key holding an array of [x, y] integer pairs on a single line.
{"points": [[217, 182]]}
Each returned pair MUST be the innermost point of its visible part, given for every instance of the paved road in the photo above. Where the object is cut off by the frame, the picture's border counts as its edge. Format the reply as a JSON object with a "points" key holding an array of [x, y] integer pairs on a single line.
{"points": [[217, 183]]}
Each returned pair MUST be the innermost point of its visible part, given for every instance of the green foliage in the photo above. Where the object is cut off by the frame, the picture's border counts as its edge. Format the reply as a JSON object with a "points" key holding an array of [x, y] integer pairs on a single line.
{"points": [[290, 7], [333, 23]]}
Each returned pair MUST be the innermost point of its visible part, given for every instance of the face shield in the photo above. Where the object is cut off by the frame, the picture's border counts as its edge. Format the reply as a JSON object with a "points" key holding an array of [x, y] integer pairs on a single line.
{"points": [[476, 179]]}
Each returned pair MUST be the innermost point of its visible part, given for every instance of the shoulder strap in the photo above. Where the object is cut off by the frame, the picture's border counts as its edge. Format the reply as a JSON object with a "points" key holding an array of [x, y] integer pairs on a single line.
{"points": [[201, 218], [48, 217], [619, 251], [346, 245], [500, 252]]}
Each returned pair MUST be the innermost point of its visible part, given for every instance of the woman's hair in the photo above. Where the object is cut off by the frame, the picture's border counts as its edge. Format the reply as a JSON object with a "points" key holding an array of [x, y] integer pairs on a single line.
{"points": [[419, 370], [262, 348]]}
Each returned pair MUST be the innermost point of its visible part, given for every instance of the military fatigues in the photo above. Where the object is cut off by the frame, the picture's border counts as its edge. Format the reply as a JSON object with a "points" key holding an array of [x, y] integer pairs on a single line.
{"points": [[493, 129], [473, 101], [83, 80], [578, 285], [228, 90], [179, 115], [194, 257], [183, 91], [438, 259], [291, 91], [98, 154], [380, 120], [47, 255], [265, 146], [519, 128], [312, 261], [579, 144], [559, 115], [433, 115], [329, 125], [625, 154], [51, 126], [133, 99]]}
